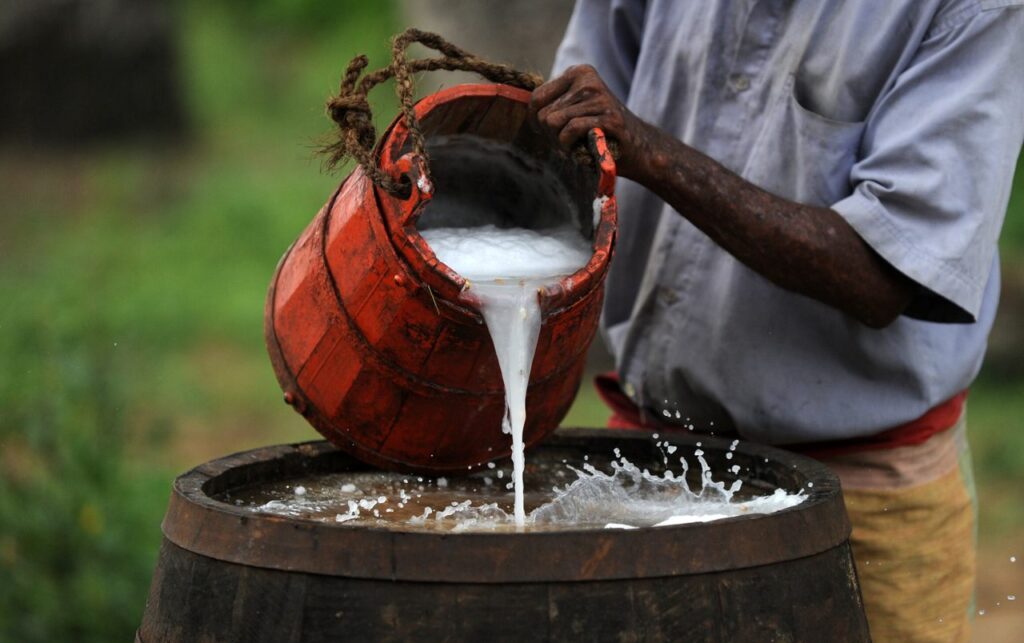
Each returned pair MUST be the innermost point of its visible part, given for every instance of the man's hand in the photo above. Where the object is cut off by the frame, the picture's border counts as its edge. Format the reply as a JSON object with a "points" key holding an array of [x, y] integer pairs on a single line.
{"points": [[807, 249], [578, 101]]}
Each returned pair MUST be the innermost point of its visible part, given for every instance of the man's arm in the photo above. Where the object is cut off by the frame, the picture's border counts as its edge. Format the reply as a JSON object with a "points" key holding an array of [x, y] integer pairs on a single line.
{"points": [[806, 249]]}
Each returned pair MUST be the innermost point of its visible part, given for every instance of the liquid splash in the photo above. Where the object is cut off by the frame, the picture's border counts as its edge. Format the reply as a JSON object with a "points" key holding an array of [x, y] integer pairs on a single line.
{"points": [[625, 497]]}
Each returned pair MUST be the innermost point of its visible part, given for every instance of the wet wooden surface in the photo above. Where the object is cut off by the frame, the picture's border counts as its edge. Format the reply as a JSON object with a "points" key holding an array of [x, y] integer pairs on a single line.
{"points": [[196, 598], [198, 522], [227, 573]]}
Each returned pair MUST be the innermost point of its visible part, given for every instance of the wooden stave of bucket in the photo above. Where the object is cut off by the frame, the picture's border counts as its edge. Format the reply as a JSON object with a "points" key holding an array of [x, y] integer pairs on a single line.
{"points": [[226, 573], [380, 347]]}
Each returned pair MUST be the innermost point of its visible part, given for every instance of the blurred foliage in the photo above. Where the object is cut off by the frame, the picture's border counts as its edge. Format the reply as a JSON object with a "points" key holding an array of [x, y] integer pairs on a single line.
{"points": [[131, 293], [1011, 243], [307, 16], [995, 424], [79, 518]]}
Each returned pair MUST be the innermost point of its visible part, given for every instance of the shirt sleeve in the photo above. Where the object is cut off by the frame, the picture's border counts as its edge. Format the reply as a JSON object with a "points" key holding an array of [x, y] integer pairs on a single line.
{"points": [[605, 34], [937, 158]]}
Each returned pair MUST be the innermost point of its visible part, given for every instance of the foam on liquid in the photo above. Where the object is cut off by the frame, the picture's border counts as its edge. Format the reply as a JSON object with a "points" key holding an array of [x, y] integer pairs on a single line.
{"points": [[488, 253], [505, 267], [626, 497]]}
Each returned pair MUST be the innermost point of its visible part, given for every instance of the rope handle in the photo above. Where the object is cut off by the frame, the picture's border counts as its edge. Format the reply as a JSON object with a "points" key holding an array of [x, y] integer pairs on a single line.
{"points": [[350, 109]]}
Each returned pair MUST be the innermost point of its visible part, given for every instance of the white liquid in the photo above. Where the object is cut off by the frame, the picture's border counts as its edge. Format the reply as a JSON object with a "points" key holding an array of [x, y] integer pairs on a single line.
{"points": [[505, 268], [489, 253], [630, 497], [627, 497]]}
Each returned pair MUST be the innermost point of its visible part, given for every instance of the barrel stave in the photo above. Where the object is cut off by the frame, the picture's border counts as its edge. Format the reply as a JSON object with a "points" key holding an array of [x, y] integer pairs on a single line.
{"points": [[197, 598]]}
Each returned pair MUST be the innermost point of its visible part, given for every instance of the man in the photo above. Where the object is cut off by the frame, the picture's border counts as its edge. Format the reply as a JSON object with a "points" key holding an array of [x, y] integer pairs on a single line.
{"points": [[841, 170]]}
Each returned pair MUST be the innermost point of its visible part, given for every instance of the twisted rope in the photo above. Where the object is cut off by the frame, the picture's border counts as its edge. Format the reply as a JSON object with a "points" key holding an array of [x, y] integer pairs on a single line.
{"points": [[351, 111]]}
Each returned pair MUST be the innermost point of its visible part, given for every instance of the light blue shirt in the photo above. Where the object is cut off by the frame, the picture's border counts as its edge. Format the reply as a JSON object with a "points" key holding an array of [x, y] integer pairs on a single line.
{"points": [[904, 116]]}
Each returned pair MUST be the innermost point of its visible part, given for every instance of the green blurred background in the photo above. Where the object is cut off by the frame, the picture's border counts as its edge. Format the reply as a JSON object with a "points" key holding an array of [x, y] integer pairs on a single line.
{"points": [[132, 277]]}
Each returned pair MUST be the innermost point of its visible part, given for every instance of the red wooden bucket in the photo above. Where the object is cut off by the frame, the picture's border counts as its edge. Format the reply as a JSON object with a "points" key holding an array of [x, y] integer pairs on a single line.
{"points": [[378, 344]]}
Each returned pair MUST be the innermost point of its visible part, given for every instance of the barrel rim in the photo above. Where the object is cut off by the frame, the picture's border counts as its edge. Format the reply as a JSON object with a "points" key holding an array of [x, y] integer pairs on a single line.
{"points": [[198, 523]]}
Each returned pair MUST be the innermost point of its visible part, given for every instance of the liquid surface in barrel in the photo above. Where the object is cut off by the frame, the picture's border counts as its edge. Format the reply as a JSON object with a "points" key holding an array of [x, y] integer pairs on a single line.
{"points": [[597, 493]]}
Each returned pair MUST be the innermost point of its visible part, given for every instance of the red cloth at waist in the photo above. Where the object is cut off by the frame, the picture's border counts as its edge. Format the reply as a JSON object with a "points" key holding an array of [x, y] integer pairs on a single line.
{"points": [[626, 415]]}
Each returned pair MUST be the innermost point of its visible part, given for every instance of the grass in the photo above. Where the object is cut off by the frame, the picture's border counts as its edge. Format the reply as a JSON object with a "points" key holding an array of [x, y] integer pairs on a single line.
{"points": [[131, 288], [131, 292], [996, 429]]}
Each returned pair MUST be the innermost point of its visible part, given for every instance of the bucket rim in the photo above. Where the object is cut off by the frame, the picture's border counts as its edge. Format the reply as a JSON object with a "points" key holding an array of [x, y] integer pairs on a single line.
{"points": [[400, 214]]}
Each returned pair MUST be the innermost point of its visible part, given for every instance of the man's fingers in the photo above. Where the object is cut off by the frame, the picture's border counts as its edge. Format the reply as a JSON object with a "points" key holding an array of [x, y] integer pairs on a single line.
{"points": [[548, 92], [571, 105], [555, 117], [576, 128]]}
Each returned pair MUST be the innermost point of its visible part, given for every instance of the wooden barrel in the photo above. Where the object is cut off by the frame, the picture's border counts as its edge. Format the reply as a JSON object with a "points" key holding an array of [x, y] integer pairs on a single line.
{"points": [[226, 573], [382, 347]]}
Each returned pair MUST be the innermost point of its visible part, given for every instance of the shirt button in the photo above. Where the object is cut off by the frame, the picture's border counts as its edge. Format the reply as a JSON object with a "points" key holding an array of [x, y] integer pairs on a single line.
{"points": [[739, 82]]}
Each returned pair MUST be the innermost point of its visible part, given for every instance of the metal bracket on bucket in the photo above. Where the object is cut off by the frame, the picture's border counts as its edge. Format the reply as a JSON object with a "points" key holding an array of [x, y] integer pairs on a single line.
{"points": [[411, 168]]}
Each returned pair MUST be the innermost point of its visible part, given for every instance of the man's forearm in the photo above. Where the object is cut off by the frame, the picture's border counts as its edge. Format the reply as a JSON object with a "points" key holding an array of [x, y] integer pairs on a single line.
{"points": [[806, 249]]}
